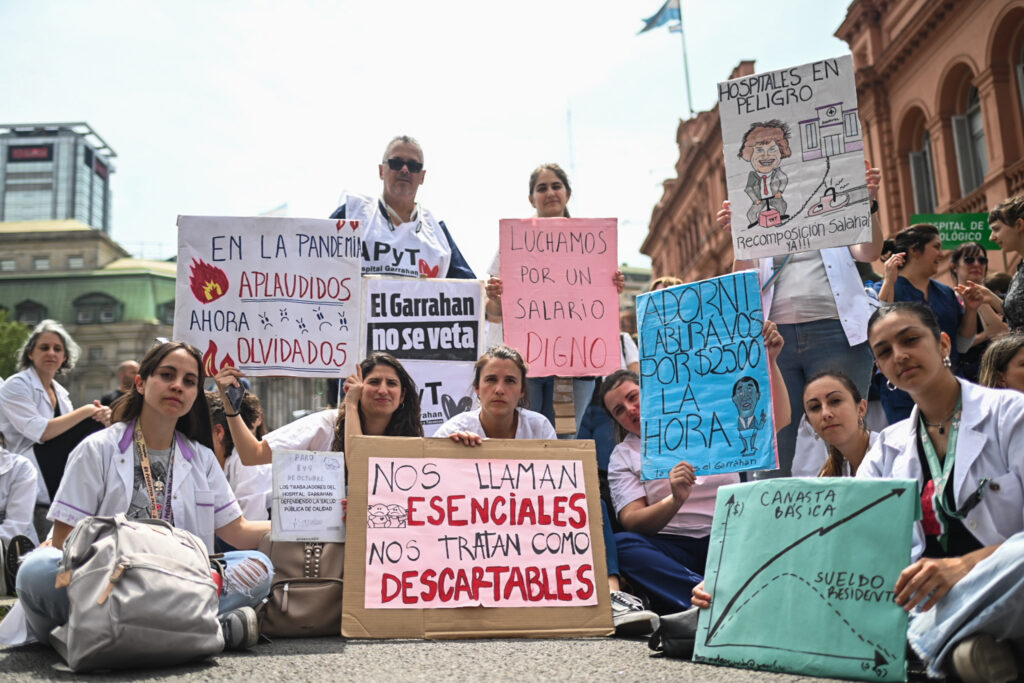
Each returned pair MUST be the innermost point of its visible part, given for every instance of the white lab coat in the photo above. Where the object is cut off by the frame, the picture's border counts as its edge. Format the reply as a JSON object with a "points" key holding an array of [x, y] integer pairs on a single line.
{"points": [[99, 481], [25, 411], [990, 445], [17, 496]]}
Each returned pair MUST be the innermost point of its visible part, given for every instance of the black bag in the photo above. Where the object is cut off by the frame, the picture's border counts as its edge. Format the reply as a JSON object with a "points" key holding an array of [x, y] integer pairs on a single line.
{"points": [[677, 634]]}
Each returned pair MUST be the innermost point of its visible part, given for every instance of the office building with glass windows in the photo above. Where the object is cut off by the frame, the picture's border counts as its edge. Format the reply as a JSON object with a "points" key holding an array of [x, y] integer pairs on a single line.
{"points": [[55, 171]]}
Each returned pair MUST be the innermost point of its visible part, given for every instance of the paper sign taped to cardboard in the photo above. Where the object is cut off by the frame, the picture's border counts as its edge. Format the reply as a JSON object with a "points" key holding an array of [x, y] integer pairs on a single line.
{"points": [[307, 499]]}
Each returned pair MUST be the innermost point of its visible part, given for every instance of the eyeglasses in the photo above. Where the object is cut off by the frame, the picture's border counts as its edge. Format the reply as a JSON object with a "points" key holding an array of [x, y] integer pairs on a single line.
{"points": [[969, 260], [396, 164]]}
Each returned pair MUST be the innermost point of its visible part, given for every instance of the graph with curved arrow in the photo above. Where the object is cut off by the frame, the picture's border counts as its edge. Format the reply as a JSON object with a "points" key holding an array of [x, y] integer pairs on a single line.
{"points": [[801, 572]]}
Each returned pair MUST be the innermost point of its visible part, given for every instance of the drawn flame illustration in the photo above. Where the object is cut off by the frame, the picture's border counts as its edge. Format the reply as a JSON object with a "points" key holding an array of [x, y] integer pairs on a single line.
{"points": [[210, 367], [210, 360], [208, 283]]}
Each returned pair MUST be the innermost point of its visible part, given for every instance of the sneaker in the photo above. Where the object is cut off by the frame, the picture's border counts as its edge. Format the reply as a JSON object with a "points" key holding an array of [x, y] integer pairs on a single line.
{"points": [[239, 628], [18, 547], [629, 616], [980, 658]]}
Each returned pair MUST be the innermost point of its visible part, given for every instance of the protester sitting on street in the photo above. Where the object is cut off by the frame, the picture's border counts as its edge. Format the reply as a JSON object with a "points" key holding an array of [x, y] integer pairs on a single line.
{"points": [[819, 302], [963, 444], [1002, 366], [912, 259], [549, 196], [253, 486], [17, 503], [969, 263], [162, 428], [1007, 223], [836, 410], [36, 416], [380, 392], [668, 521], [499, 380], [400, 237], [126, 372]]}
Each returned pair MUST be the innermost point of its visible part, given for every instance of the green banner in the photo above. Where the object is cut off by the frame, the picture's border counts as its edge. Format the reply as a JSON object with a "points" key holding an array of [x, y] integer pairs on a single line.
{"points": [[957, 228], [801, 573]]}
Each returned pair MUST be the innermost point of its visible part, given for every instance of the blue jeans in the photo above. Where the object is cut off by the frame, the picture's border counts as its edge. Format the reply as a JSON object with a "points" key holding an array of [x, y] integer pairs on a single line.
{"points": [[665, 567], [811, 348], [540, 396], [47, 607], [611, 551], [990, 599]]}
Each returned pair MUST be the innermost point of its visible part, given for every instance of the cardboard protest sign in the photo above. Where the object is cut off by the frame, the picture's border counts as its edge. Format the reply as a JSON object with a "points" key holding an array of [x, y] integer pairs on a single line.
{"points": [[559, 305], [435, 327], [308, 489], [705, 389], [802, 573], [957, 228], [502, 540], [794, 159], [270, 295]]}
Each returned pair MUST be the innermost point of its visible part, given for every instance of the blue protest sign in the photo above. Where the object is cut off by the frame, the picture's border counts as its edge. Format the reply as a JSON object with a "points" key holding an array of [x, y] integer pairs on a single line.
{"points": [[705, 393]]}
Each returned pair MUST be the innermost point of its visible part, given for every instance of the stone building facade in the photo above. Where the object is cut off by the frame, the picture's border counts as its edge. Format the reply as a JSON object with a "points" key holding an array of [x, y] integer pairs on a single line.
{"points": [[940, 85]]}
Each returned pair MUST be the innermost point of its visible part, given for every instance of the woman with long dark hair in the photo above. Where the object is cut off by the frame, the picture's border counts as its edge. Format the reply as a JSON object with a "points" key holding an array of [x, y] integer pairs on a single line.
{"points": [[969, 263], [155, 461], [964, 444], [1006, 221], [549, 196], [381, 393], [912, 260]]}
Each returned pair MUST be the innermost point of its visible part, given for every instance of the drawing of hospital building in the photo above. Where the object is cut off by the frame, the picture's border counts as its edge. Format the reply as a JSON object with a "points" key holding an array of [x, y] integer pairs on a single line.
{"points": [[832, 132]]}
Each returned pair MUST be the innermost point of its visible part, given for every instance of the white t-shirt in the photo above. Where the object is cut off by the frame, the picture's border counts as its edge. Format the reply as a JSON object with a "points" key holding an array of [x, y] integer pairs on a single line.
{"points": [[693, 518], [253, 486], [531, 425], [311, 433], [808, 295]]}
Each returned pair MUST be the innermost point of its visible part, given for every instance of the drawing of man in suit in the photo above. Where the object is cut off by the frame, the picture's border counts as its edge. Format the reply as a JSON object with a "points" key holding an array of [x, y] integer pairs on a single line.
{"points": [[764, 146], [746, 394]]}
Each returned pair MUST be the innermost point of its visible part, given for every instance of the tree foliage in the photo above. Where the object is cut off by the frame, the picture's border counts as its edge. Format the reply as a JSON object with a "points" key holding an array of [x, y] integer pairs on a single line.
{"points": [[12, 335]]}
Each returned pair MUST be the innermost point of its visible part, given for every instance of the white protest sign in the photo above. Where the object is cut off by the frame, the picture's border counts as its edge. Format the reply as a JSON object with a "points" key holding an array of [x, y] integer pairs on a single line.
{"points": [[308, 489], [270, 295], [794, 159], [435, 327]]}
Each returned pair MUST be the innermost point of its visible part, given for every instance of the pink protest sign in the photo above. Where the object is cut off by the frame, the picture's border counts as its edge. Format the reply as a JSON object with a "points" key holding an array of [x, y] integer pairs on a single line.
{"points": [[466, 532], [559, 304]]}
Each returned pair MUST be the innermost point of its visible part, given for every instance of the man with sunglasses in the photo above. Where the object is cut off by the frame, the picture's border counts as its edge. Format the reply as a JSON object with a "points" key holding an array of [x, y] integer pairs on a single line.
{"points": [[401, 238]]}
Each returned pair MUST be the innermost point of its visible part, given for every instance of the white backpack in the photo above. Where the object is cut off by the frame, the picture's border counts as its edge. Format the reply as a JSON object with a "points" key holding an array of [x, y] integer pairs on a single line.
{"points": [[141, 595]]}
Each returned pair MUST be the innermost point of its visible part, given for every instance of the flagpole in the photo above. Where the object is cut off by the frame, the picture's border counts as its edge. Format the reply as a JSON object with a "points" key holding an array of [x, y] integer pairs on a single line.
{"points": [[686, 62]]}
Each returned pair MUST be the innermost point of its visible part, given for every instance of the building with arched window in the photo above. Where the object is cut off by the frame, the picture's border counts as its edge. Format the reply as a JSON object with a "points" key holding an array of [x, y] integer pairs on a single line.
{"points": [[940, 87]]}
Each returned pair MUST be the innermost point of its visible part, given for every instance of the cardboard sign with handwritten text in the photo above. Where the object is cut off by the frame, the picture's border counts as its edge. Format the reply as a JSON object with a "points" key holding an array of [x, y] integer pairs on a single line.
{"points": [[506, 541]]}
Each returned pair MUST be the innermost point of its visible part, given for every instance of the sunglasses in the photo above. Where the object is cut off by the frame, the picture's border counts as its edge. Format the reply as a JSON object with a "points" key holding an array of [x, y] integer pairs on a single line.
{"points": [[969, 260], [396, 164]]}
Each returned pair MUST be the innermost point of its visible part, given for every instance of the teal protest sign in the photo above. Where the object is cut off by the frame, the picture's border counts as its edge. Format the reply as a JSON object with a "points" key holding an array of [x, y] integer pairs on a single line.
{"points": [[957, 228], [801, 573], [705, 394]]}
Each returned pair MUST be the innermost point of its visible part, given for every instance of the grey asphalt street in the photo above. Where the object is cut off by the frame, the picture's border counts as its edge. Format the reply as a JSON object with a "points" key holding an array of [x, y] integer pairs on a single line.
{"points": [[324, 659]]}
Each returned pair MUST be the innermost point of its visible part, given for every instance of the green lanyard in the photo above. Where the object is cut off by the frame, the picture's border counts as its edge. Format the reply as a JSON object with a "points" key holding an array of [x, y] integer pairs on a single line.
{"points": [[942, 513]]}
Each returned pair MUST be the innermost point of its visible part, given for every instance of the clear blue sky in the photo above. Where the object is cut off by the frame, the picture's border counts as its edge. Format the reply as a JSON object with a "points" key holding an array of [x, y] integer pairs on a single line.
{"points": [[232, 107]]}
